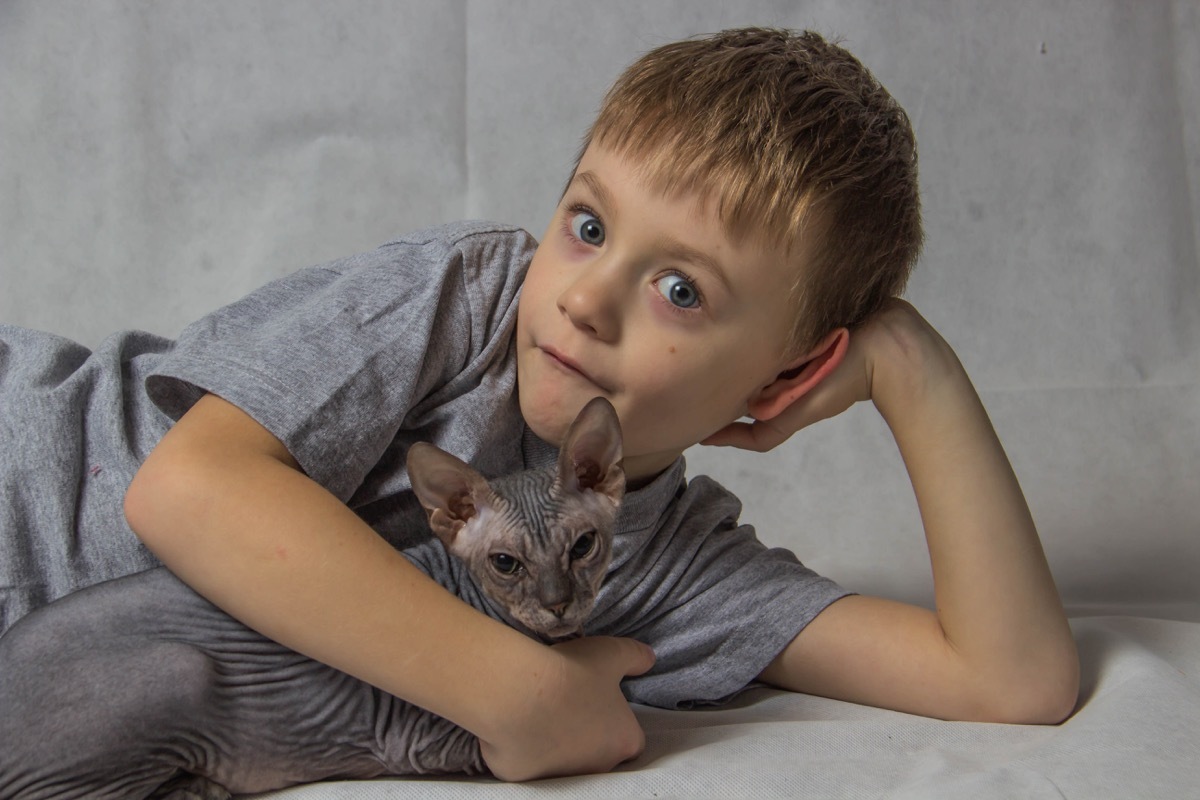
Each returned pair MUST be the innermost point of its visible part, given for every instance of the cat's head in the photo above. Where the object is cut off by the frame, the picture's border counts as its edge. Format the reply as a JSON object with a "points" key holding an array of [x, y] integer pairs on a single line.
{"points": [[539, 542]]}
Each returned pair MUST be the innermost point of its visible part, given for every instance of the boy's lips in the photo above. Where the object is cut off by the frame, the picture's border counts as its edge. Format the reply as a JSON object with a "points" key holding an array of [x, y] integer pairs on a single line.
{"points": [[568, 364]]}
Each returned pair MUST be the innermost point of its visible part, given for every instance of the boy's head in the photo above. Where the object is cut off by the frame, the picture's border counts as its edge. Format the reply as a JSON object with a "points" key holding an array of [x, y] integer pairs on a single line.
{"points": [[796, 144], [739, 200]]}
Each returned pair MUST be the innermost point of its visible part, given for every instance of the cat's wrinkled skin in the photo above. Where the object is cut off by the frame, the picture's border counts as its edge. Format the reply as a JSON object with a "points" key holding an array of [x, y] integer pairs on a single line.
{"points": [[140, 688], [534, 542], [125, 685]]}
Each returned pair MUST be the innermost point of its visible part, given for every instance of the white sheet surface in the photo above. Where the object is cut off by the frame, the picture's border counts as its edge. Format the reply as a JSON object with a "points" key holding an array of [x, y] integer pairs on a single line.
{"points": [[1133, 736], [158, 159]]}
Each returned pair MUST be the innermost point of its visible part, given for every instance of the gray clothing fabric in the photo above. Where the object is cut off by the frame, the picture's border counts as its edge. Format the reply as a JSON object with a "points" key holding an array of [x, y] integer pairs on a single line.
{"points": [[348, 364], [74, 426]]}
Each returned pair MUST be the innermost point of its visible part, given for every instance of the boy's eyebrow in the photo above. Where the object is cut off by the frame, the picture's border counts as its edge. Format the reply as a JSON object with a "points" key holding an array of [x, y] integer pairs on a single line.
{"points": [[598, 189], [684, 252]]}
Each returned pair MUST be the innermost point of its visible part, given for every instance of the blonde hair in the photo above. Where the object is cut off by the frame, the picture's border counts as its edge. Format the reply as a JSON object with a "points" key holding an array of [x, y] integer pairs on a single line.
{"points": [[795, 142]]}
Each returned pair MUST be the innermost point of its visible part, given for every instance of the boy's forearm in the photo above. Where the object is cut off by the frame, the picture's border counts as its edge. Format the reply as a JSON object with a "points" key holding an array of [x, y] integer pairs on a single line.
{"points": [[996, 599], [272, 548], [224, 505]]}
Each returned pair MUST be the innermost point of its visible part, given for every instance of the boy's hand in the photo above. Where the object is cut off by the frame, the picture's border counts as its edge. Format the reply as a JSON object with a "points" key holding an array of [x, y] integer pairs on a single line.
{"points": [[579, 721], [996, 646], [895, 334]]}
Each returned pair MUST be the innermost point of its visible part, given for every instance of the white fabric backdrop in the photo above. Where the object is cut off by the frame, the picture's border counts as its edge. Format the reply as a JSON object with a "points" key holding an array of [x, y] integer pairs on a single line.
{"points": [[159, 159]]}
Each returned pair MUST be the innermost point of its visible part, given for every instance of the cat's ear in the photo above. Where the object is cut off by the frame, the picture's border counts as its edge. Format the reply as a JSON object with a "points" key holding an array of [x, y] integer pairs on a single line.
{"points": [[450, 491], [590, 457]]}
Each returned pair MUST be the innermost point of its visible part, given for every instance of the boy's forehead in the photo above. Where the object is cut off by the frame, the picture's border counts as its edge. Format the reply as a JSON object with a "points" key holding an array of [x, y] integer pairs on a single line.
{"points": [[601, 166], [684, 224]]}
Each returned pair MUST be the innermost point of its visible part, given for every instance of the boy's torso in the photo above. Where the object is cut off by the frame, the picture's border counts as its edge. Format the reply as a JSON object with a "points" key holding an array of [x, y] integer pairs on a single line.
{"points": [[348, 364]]}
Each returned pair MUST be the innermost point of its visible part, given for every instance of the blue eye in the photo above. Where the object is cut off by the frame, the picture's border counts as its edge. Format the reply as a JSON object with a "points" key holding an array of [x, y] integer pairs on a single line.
{"points": [[587, 228], [679, 291]]}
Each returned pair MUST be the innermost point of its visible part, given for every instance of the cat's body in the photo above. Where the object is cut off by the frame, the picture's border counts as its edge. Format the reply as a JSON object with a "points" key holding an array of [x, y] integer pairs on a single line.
{"points": [[139, 687]]}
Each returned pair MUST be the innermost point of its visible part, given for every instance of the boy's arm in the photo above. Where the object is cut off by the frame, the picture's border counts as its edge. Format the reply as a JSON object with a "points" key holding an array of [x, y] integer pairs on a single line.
{"points": [[998, 646], [223, 504]]}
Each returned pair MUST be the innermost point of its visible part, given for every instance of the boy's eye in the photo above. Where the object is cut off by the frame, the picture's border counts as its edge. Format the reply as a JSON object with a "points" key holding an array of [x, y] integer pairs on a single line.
{"points": [[587, 228], [679, 291]]}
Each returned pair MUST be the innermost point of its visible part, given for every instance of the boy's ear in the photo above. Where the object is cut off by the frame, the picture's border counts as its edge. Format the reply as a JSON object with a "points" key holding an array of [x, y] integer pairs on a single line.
{"points": [[801, 376]]}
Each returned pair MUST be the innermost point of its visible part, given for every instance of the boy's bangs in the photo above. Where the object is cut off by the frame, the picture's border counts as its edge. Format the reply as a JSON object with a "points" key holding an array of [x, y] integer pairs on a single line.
{"points": [[675, 157]]}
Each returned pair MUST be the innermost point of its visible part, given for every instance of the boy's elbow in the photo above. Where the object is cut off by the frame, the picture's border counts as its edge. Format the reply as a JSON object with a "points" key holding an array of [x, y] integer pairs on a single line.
{"points": [[1060, 695], [145, 502], [183, 488], [166, 492], [1042, 705], [1043, 695]]}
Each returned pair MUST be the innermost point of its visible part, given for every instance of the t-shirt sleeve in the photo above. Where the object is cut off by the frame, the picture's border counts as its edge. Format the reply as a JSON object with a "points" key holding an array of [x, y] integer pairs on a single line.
{"points": [[332, 359], [717, 605]]}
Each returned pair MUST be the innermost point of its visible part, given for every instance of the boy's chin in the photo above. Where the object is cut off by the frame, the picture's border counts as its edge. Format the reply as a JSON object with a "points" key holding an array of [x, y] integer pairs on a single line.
{"points": [[550, 421]]}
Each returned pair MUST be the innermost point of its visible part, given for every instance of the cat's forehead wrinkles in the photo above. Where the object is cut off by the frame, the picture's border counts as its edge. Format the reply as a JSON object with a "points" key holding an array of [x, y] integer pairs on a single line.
{"points": [[525, 490], [531, 501]]}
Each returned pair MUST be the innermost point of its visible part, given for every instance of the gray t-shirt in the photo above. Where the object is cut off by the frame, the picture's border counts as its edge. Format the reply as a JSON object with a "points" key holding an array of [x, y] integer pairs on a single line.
{"points": [[348, 364]]}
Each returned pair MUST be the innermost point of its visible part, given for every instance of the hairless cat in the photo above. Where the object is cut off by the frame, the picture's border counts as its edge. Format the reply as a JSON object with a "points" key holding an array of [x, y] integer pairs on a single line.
{"points": [[138, 687]]}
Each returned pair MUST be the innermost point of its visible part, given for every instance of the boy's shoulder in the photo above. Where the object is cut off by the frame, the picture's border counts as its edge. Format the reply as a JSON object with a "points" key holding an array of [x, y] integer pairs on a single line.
{"points": [[491, 256], [676, 500], [465, 234]]}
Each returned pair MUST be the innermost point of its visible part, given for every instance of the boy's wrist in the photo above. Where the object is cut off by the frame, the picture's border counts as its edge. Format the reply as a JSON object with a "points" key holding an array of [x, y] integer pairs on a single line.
{"points": [[909, 362], [568, 715], [513, 689]]}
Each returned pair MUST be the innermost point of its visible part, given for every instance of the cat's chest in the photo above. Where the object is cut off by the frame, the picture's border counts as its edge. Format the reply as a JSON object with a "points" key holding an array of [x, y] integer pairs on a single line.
{"points": [[430, 556], [398, 518]]}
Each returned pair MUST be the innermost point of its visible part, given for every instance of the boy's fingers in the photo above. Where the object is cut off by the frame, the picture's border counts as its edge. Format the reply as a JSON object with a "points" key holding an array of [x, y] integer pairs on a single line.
{"points": [[733, 435], [826, 400], [625, 656], [638, 657], [755, 436]]}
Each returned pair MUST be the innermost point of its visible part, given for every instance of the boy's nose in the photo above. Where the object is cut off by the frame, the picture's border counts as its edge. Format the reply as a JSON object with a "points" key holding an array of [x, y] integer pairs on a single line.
{"points": [[593, 303]]}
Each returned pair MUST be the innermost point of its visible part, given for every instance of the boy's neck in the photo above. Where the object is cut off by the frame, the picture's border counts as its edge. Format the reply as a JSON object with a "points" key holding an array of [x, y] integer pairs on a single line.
{"points": [[642, 470]]}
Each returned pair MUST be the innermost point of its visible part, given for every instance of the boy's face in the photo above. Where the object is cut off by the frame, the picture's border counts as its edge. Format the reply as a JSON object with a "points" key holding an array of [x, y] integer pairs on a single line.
{"points": [[643, 299]]}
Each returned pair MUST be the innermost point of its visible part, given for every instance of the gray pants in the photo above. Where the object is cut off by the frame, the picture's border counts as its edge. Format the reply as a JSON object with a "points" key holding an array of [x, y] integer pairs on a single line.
{"points": [[130, 688]]}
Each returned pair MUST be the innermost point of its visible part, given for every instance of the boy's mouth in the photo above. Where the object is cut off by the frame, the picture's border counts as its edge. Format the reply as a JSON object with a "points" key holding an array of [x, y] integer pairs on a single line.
{"points": [[569, 365]]}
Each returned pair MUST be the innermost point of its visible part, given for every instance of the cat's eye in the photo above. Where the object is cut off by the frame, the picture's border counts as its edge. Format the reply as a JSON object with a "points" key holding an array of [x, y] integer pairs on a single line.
{"points": [[505, 564], [583, 545]]}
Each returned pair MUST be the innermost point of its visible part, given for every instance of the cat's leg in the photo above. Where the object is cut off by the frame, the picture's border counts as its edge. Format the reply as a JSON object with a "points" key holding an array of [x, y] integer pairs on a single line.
{"points": [[126, 686], [122, 688], [93, 701]]}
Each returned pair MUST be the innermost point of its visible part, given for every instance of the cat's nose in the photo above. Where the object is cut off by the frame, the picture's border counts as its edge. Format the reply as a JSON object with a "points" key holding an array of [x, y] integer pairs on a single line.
{"points": [[558, 609]]}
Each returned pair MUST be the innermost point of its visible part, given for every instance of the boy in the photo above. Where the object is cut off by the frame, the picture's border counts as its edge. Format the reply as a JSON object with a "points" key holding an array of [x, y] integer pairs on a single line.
{"points": [[743, 209]]}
